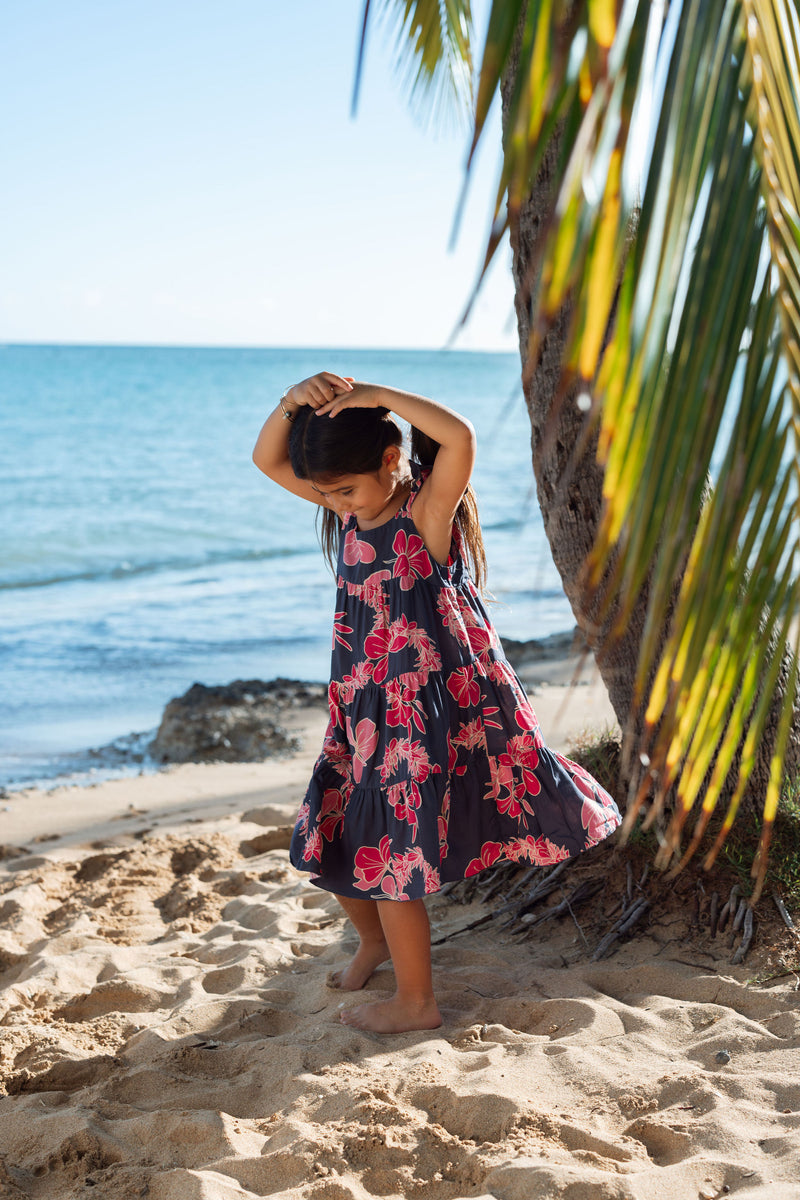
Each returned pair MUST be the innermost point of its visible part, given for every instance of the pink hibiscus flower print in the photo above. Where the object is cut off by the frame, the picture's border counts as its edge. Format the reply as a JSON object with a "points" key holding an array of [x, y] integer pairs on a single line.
{"points": [[405, 800], [511, 803], [448, 610], [513, 779], [419, 763], [372, 863], [521, 848], [356, 551], [471, 735], [546, 852], [464, 687], [331, 815], [359, 678], [312, 849], [334, 706], [379, 644], [480, 640], [376, 866], [522, 753], [337, 755], [431, 877], [363, 741], [524, 714], [370, 591], [412, 559], [340, 629], [490, 852], [403, 705], [597, 820]]}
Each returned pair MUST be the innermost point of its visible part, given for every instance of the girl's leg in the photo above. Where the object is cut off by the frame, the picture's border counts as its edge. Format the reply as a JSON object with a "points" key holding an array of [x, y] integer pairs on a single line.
{"points": [[372, 949], [413, 1006]]}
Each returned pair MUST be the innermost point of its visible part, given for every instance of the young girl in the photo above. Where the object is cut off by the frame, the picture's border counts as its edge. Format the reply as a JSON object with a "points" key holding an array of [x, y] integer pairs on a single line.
{"points": [[433, 767]]}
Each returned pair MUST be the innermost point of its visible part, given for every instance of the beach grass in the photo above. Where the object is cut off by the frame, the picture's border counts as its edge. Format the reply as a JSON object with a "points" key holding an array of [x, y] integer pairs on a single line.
{"points": [[601, 755]]}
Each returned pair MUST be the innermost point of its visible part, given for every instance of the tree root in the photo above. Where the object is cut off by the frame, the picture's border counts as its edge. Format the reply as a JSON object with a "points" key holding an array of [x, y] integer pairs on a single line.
{"points": [[729, 908], [781, 907], [579, 895], [630, 917], [515, 892], [747, 936]]}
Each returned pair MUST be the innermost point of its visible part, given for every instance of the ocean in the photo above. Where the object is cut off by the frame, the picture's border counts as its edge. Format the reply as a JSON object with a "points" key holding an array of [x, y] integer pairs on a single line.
{"points": [[141, 550]]}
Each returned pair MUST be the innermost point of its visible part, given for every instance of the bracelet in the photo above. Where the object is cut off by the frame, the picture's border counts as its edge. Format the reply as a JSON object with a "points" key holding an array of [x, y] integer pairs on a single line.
{"points": [[287, 416]]}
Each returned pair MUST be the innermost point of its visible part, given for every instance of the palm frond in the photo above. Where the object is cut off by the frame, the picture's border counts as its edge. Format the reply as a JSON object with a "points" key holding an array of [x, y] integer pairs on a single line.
{"points": [[674, 239], [433, 50], [697, 383]]}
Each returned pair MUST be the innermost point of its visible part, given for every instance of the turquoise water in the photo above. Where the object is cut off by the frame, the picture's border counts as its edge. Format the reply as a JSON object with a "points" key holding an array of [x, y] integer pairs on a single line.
{"points": [[141, 550]]}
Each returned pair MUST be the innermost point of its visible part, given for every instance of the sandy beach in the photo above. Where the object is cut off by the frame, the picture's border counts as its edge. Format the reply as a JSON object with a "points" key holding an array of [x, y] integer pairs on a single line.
{"points": [[167, 1031]]}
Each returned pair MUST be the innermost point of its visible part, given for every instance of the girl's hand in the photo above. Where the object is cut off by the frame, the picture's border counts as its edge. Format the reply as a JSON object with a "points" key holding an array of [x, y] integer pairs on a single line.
{"points": [[319, 390], [359, 395]]}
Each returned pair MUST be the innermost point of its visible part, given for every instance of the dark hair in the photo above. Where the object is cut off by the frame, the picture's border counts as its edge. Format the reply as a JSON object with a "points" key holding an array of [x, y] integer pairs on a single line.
{"points": [[352, 443]]}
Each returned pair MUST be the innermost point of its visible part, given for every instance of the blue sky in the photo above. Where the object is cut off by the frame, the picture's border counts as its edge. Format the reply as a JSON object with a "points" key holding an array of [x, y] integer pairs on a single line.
{"points": [[182, 172]]}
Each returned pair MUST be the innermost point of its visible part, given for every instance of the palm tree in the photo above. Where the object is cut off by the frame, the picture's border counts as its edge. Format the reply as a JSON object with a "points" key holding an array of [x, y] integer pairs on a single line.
{"points": [[651, 189]]}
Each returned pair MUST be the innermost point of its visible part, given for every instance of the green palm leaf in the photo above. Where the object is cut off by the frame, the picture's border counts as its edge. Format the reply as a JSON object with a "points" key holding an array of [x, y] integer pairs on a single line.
{"points": [[675, 243], [433, 49], [704, 330]]}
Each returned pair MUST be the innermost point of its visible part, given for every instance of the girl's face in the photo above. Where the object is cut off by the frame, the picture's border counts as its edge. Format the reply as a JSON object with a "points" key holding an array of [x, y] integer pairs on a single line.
{"points": [[365, 496]]}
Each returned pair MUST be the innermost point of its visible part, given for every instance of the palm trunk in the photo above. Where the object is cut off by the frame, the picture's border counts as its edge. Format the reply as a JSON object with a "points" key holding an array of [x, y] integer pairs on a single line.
{"points": [[569, 488]]}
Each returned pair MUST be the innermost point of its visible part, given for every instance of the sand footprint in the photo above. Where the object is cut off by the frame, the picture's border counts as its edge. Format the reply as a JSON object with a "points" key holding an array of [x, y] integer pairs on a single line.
{"points": [[480, 1116], [665, 1144], [226, 979], [68, 1075], [114, 995], [559, 1020]]}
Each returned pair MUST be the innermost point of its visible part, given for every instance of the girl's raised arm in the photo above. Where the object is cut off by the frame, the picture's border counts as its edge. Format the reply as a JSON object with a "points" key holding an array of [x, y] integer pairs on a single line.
{"points": [[271, 452], [440, 495]]}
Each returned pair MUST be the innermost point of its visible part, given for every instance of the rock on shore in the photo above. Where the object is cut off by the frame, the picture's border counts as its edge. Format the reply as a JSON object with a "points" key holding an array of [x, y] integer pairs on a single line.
{"points": [[235, 722], [533, 651]]}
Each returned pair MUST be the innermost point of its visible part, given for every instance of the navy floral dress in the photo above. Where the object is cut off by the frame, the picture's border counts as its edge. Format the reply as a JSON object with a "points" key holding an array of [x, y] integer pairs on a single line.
{"points": [[433, 767]]}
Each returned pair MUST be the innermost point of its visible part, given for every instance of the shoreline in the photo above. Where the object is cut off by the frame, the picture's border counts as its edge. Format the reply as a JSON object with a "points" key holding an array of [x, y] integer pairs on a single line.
{"points": [[567, 694], [540, 662]]}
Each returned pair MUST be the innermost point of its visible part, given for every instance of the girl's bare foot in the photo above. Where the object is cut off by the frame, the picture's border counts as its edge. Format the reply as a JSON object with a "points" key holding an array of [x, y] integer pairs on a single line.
{"points": [[393, 1016], [367, 957]]}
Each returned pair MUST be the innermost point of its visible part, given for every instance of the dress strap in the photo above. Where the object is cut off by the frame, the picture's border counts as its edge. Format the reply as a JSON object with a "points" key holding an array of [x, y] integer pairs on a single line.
{"points": [[419, 475]]}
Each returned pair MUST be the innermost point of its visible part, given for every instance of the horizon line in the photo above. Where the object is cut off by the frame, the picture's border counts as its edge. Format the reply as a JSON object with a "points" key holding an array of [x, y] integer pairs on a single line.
{"points": [[338, 348]]}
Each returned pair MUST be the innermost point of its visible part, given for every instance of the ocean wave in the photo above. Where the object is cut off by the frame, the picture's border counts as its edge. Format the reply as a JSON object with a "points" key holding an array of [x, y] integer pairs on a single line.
{"points": [[125, 570], [513, 524]]}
